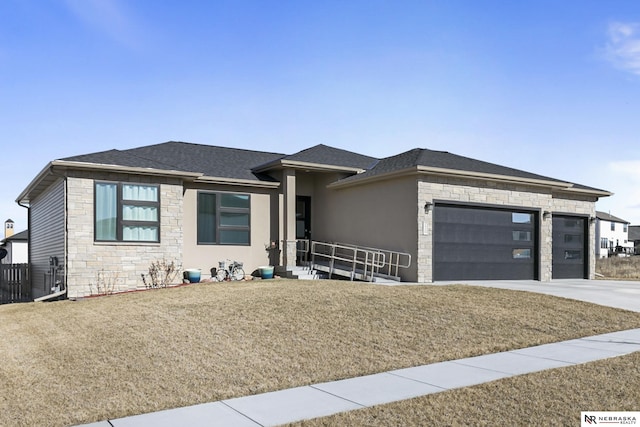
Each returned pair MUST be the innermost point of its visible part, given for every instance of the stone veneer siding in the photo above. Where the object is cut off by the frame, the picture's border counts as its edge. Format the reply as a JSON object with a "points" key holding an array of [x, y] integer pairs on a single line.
{"points": [[498, 194], [119, 263]]}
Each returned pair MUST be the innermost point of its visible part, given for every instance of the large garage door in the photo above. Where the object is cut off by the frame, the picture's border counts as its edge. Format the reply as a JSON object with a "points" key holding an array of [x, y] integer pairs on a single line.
{"points": [[472, 243], [569, 247]]}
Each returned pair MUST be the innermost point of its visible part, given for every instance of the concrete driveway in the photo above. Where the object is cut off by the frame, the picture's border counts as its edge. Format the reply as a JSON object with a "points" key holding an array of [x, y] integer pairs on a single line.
{"points": [[619, 294]]}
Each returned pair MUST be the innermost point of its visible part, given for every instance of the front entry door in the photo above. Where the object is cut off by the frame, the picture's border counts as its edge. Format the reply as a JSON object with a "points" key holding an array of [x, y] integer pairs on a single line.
{"points": [[303, 229], [303, 217]]}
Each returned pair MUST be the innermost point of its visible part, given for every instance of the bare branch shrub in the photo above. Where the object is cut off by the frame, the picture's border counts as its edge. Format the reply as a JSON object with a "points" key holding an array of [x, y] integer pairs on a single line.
{"points": [[161, 274], [106, 282]]}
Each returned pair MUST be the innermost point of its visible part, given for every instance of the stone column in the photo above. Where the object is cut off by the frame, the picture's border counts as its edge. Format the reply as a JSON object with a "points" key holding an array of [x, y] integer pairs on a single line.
{"points": [[289, 190]]}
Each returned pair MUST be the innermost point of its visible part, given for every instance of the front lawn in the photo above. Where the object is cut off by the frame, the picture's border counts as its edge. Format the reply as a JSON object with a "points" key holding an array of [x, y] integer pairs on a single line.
{"points": [[74, 362], [619, 268]]}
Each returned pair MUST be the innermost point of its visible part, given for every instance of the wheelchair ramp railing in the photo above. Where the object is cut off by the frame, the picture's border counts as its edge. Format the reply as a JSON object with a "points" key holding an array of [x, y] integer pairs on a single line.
{"points": [[357, 262], [394, 261]]}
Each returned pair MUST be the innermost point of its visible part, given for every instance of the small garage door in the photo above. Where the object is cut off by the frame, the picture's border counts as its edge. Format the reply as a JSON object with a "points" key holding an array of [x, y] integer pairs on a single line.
{"points": [[569, 247], [472, 243]]}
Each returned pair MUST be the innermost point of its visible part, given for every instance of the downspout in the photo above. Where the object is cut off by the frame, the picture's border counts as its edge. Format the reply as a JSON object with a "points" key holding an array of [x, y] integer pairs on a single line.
{"points": [[28, 208], [597, 238]]}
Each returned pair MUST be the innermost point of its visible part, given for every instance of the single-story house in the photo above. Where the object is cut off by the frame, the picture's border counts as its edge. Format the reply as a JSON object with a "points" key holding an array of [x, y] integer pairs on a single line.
{"points": [[612, 236], [115, 212]]}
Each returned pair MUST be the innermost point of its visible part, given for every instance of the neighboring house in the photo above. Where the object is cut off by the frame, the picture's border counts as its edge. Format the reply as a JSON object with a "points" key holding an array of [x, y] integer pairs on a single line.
{"points": [[16, 245], [8, 228], [114, 212], [612, 236], [634, 237]]}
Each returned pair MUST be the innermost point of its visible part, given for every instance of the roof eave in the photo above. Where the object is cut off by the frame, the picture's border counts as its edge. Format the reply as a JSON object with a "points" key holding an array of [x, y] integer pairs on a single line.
{"points": [[603, 216], [493, 177], [64, 164], [426, 170], [591, 192], [55, 166], [46, 171], [239, 182], [307, 166]]}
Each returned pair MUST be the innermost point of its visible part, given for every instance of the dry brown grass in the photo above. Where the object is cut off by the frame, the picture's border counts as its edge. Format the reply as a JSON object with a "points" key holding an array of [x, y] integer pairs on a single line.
{"points": [[72, 362], [548, 398], [622, 268]]}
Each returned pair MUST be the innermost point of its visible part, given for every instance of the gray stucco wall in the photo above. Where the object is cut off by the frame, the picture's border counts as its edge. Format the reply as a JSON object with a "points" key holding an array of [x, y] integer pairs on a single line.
{"points": [[380, 215], [264, 229]]}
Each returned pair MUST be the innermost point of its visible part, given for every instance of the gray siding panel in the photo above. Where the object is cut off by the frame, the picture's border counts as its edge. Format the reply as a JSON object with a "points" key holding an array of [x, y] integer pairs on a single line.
{"points": [[47, 237]]}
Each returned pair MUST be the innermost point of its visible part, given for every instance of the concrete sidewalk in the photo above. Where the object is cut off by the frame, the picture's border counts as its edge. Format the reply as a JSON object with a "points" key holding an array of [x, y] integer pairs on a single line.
{"points": [[318, 400]]}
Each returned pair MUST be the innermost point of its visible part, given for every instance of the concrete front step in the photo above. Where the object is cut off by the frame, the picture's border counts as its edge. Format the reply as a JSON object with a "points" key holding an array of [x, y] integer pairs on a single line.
{"points": [[302, 273], [306, 274]]}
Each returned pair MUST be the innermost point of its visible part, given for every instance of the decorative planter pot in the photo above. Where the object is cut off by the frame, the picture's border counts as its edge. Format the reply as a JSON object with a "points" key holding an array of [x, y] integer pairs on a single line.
{"points": [[192, 275], [266, 272]]}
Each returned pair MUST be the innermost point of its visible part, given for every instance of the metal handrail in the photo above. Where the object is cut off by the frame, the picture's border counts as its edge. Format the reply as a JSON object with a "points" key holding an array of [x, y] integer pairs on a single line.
{"points": [[302, 251], [367, 260], [396, 259]]}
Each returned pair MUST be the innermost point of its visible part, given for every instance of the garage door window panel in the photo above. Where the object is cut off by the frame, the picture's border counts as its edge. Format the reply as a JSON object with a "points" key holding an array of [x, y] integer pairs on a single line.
{"points": [[576, 255], [521, 253], [524, 236], [573, 238], [521, 218]]}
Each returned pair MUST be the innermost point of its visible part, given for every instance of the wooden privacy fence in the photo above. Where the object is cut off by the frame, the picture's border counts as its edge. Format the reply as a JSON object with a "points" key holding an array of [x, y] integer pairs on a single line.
{"points": [[15, 285]]}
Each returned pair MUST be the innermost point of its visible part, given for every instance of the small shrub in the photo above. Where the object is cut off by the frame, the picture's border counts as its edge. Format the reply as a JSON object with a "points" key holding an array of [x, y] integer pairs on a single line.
{"points": [[161, 274], [106, 282]]}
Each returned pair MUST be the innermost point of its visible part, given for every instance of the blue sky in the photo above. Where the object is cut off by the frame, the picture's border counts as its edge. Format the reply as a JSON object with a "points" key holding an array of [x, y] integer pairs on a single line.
{"points": [[551, 87]]}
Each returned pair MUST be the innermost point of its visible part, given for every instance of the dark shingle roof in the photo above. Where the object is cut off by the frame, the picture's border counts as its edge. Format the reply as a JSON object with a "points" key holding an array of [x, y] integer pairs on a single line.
{"points": [[186, 157], [442, 160], [608, 217], [634, 232], [23, 235], [212, 161], [236, 163], [325, 155], [220, 162], [119, 158]]}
